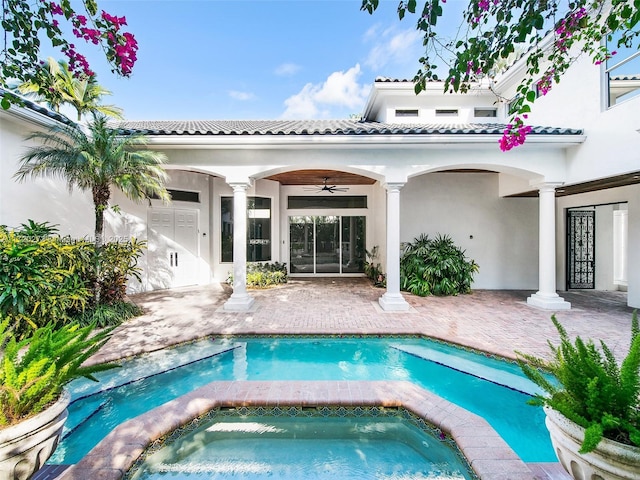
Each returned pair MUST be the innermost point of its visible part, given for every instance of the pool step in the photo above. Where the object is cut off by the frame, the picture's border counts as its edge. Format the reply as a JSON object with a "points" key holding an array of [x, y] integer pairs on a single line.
{"points": [[78, 417], [485, 372], [148, 365]]}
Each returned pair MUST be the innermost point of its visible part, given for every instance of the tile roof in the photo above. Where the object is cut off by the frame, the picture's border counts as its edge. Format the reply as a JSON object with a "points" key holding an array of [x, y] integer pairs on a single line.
{"points": [[30, 105], [319, 127]]}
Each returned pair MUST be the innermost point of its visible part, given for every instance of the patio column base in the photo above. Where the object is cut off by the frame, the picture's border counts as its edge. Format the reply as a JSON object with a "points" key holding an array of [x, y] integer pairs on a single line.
{"points": [[548, 302], [239, 303], [393, 303]]}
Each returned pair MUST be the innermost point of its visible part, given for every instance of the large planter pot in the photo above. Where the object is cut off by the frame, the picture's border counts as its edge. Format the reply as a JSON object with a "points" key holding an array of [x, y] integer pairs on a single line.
{"points": [[609, 461], [25, 447]]}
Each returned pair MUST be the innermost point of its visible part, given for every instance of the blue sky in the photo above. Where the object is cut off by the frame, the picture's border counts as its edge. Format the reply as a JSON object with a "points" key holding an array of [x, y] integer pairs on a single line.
{"points": [[257, 59]]}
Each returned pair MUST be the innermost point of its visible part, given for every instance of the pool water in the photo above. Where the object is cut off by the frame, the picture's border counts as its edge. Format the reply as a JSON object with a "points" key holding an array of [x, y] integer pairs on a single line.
{"points": [[94, 413], [310, 447]]}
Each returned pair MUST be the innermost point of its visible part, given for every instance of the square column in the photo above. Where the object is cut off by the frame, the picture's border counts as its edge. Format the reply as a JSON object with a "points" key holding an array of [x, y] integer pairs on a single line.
{"points": [[546, 297], [393, 300], [240, 300]]}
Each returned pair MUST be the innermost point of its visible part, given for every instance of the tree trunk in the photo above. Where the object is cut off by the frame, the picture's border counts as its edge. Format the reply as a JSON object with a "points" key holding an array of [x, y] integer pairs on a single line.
{"points": [[101, 194]]}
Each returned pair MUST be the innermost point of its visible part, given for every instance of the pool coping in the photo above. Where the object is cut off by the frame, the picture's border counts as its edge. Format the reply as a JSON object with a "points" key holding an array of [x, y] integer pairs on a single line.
{"points": [[489, 455]]}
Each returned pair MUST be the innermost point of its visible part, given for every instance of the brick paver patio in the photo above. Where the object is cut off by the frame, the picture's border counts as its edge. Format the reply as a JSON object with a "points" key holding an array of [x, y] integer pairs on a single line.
{"points": [[495, 321]]}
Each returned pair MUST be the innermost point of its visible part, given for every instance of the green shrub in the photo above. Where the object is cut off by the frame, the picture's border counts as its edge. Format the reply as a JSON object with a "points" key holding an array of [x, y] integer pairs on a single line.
{"points": [[373, 270], [592, 390], [263, 275], [36, 230], [110, 314], [44, 277], [41, 279], [118, 262], [435, 267], [34, 371]]}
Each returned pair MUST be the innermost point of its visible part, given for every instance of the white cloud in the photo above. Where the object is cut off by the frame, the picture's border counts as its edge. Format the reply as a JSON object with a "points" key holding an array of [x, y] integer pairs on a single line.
{"points": [[393, 47], [243, 96], [340, 89], [287, 69]]}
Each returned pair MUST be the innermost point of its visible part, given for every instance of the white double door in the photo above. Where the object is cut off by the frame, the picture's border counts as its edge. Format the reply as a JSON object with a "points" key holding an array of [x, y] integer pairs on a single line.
{"points": [[173, 247]]}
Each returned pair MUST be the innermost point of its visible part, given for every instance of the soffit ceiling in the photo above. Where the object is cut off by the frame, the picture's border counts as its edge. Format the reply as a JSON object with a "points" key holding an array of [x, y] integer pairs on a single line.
{"points": [[335, 177], [593, 186], [316, 177]]}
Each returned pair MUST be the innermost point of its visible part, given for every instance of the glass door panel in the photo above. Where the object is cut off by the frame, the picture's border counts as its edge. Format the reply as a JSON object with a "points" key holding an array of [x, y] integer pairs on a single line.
{"points": [[353, 244], [328, 244], [301, 244]]}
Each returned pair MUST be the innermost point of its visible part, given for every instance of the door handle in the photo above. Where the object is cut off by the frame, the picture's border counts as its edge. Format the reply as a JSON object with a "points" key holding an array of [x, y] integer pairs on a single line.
{"points": [[171, 259], [176, 259]]}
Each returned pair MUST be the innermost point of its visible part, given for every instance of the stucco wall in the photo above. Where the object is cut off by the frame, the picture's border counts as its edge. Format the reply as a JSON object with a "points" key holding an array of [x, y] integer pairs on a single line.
{"points": [[500, 234], [613, 139], [41, 200]]}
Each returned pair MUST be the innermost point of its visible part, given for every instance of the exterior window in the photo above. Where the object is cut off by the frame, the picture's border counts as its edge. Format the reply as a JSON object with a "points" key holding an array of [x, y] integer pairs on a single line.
{"points": [[485, 112], [406, 113], [325, 201], [622, 74], [181, 196], [443, 112], [258, 229]]}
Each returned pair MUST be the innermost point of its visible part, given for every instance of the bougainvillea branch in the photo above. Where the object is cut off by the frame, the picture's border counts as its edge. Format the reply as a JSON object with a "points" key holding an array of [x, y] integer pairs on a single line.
{"points": [[27, 22], [551, 34]]}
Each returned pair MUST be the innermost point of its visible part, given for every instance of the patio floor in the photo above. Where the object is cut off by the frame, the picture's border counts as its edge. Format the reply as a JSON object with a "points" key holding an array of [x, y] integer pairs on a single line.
{"points": [[496, 322]]}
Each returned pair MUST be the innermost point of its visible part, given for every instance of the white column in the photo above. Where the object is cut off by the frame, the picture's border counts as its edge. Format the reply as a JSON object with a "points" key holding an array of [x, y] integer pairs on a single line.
{"points": [[546, 297], [392, 300], [239, 300]]}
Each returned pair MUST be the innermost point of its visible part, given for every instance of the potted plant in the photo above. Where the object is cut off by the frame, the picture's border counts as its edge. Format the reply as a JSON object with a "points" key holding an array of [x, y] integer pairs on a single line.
{"points": [[592, 405], [33, 403]]}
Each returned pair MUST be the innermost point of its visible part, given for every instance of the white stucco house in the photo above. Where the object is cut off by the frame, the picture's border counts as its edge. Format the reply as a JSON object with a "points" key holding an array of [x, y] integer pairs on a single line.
{"points": [[560, 212]]}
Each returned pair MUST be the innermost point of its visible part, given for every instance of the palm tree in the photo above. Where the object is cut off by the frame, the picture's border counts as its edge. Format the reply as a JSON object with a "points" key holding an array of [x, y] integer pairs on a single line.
{"points": [[96, 160], [57, 85]]}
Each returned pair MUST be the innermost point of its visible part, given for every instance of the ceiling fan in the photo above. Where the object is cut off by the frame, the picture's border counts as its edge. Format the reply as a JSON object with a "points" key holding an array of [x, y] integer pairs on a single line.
{"points": [[326, 188]]}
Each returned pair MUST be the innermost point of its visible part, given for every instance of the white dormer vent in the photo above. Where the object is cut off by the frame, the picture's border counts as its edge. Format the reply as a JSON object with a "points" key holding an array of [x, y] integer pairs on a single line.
{"points": [[485, 112], [406, 112], [446, 112]]}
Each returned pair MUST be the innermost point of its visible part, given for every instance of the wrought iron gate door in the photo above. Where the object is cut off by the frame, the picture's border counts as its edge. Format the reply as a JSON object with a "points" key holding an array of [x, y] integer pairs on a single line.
{"points": [[581, 251]]}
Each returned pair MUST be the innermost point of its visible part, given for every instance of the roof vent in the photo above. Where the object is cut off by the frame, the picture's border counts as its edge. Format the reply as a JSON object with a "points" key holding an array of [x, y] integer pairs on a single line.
{"points": [[407, 112], [446, 112]]}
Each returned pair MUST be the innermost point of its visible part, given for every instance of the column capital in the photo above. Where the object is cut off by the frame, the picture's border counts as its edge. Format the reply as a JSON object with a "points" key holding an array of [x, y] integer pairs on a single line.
{"points": [[394, 186], [239, 186], [547, 186]]}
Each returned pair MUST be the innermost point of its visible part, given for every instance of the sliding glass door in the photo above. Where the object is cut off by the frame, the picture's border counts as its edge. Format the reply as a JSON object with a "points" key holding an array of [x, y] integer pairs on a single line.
{"points": [[327, 244]]}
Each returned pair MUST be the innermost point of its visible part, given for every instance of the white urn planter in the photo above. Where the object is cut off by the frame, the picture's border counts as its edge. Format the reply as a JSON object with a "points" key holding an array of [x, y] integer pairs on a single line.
{"points": [[26, 446], [609, 461]]}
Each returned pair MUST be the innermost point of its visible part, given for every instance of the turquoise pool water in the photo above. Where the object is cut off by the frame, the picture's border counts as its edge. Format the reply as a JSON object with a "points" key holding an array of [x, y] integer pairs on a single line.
{"points": [[434, 366], [384, 446]]}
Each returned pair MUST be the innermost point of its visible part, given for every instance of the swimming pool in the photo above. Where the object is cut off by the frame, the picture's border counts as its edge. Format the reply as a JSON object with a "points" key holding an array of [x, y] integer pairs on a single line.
{"points": [[436, 367]]}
